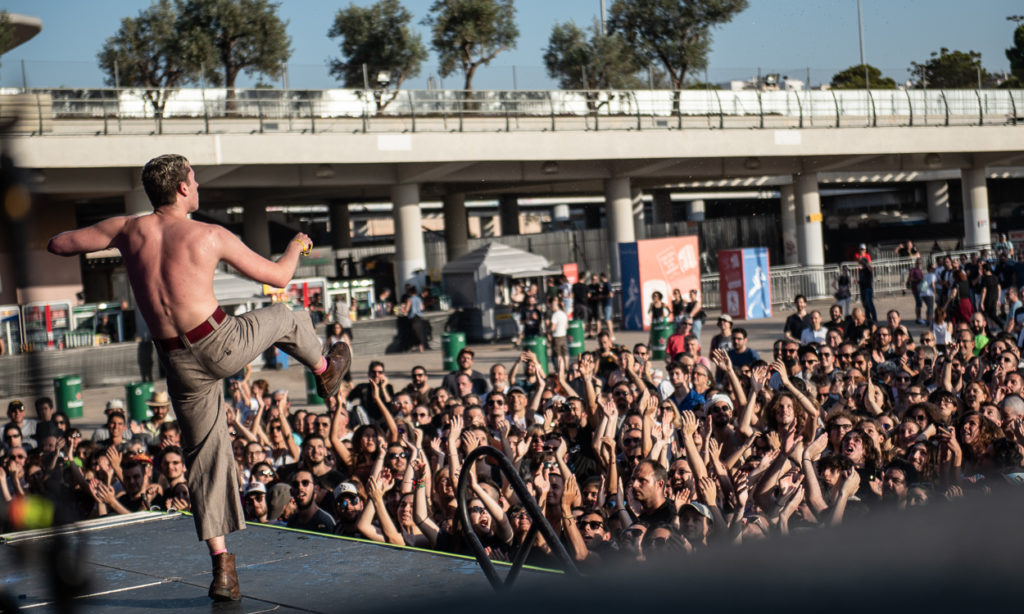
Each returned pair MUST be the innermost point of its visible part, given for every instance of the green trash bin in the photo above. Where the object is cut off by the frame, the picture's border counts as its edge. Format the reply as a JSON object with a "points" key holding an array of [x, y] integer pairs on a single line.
{"points": [[577, 334], [451, 344], [660, 333], [135, 396], [67, 393], [539, 346], [312, 398]]}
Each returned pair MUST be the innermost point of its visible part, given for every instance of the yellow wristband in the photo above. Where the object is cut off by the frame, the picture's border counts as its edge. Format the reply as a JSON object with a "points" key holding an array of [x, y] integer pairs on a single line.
{"points": [[305, 249]]}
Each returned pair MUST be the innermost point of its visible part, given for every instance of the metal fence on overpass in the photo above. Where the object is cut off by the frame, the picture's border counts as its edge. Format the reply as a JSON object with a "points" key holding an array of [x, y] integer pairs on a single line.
{"points": [[194, 110]]}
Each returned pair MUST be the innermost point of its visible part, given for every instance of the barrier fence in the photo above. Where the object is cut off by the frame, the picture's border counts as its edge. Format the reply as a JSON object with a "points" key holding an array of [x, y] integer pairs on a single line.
{"points": [[207, 110]]}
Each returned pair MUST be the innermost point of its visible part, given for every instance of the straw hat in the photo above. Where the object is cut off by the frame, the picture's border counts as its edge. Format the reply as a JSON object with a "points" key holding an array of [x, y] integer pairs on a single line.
{"points": [[159, 399]]}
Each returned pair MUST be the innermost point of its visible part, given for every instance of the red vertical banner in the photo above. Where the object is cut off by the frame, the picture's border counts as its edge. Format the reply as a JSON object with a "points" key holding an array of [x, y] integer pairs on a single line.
{"points": [[48, 315], [571, 272], [305, 295], [730, 282], [665, 265]]}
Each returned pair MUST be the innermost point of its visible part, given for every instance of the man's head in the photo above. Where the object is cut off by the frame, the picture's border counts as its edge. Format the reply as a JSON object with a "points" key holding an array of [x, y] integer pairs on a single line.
{"points": [[348, 506], [159, 404], [978, 323], [172, 463], [256, 501], [44, 409], [648, 484], [116, 424], [134, 477], [801, 302], [593, 526], [499, 375], [16, 411], [465, 359], [375, 371], [739, 339], [254, 453], [163, 176], [314, 450], [303, 488], [893, 317]]}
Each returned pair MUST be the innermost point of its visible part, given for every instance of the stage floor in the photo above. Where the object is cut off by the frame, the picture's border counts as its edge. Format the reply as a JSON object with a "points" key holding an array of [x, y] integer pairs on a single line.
{"points": [[152, 561]]}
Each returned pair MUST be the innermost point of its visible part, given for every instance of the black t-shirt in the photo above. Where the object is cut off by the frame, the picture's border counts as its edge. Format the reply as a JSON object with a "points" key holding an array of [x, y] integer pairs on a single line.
{"points": [[531, 319], [364, 393], [795, 325], [991, 285], [855, 332], [321, 522], [963, 289], [580, 292], [866, 277], [665, 515]]}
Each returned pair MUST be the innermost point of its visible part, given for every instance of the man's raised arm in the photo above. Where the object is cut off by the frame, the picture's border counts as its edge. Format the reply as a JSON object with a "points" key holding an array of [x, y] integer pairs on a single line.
{"points": [[258, 268], [90, 239]]}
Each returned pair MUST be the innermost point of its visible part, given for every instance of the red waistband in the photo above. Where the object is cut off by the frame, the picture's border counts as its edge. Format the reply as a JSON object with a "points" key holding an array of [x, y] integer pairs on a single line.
{"points": [[195, 335]]}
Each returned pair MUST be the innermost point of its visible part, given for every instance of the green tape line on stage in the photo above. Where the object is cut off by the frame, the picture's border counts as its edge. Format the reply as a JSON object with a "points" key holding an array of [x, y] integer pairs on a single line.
{"points": [[385, 545]]}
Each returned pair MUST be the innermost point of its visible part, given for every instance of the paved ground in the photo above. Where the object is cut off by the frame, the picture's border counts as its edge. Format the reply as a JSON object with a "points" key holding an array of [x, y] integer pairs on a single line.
{"points": [[763, 334]]}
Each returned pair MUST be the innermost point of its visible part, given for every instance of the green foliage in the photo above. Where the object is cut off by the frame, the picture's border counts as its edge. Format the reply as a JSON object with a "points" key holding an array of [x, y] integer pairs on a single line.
{"points": [[237, 36], [379, 37], [468, 34], [146, 52], [1016, 55], [853, 79], [589, 60], [950, 70], [673, 33]]}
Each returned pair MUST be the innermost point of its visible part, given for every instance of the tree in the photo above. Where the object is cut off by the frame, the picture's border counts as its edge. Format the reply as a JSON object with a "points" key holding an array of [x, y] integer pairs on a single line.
{"points": [[146, 52], [673, 33], [468, 34], [377, 37], [237, 36], [1016, 56], [590, 60], [950, 70], [853, 79]]}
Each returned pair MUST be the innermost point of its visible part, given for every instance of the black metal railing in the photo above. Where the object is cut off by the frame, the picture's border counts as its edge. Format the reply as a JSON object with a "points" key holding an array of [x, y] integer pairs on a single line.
{"points": [[538, 523]]}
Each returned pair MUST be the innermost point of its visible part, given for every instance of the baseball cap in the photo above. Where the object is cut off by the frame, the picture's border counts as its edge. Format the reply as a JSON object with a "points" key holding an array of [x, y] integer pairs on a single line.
{"points": [[255, 487], [518, 389], [726, 317], [700, 508], [115, 404], [345, 488], [863, 246]]}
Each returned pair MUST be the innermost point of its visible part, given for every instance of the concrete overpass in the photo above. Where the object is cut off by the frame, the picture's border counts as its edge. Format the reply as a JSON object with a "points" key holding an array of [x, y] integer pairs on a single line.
{"points": [[254, 170]]}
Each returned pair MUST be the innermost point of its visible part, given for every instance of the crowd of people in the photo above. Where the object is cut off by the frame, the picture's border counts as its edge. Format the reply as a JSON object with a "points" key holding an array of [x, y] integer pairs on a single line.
{"points": [[626, 456]]}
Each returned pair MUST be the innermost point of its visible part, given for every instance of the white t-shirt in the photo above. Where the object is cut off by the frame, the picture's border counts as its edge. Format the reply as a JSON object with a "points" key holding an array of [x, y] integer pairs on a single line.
{"points": [[929, 283], [813, 336], [559, 324]]}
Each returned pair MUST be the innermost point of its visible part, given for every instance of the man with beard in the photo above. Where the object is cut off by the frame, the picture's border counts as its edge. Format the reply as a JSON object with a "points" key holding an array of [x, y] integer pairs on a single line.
{"points": [[593, 527], [348, 506], [896, 478], [308, 515], [314, 460], [256, 502]]}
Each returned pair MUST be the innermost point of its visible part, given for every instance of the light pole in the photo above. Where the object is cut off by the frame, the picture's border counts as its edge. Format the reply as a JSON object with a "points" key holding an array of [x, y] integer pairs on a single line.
{"points": [[860, 29]]}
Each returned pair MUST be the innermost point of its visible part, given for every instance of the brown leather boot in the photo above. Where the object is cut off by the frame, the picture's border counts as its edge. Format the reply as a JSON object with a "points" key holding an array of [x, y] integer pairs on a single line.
{"points": [[225, 579], [339, 359]]}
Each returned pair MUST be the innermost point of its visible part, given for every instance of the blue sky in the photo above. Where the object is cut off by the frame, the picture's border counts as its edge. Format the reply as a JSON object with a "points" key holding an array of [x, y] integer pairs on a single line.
{"points": [[784, 36]]}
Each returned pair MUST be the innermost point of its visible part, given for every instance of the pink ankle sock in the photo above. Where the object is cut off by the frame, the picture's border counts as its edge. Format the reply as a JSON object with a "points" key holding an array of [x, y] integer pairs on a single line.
{"points": [[322, 367], [221, 551]]}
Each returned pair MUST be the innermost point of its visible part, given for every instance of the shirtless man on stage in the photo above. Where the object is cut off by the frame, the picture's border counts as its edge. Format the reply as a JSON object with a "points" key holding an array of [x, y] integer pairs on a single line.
{"points": [[171, 261]]}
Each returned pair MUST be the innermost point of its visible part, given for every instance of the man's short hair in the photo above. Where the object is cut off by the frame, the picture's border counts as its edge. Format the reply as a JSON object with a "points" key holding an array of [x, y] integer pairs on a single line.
{"points": [[161, 177], [798, 297], [660, 473], [739, 330], [43, 401]]}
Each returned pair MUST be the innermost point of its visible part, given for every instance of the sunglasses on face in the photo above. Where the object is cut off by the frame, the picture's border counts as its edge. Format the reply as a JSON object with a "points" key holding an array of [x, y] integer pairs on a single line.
{"points": [[267, 473], [297, 483], [631, 441], [497, 402], [590, 524], [398, 455]]}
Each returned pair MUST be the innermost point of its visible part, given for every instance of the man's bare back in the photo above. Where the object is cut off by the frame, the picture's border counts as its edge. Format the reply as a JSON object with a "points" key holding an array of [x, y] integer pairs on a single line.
{"points": [[171, 260]]}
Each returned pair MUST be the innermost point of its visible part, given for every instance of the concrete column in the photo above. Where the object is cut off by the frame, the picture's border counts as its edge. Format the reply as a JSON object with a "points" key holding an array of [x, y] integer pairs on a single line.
{"points": [[137, 203], [811, 247], [619, 214], [341, 231], [456, 228], [508, 210], [256, 229], [787, 206], [662, 206], [977, 225], [410, 255], [695, 211], [937, 193], [639, 216]]}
